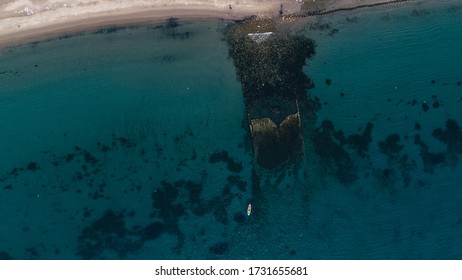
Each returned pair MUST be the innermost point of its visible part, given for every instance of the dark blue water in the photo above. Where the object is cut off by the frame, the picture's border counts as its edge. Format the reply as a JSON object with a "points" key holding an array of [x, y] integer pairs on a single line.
{"points": [[133, 143]]}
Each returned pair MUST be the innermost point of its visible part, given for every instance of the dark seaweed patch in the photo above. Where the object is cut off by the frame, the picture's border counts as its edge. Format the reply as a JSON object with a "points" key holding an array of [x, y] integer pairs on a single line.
{"points": [[237, 181], [219, 205], [124, 142], [109, 30], [170, 29], [89, 158], [387, 180], [220, 214], [406, 166], [69, 157], [33, 253], [320, 26], [219, 156], [153, 231], [14, 171], [390, 146], [430, 159], [331, 151], [256, 186], [219, 248], [166, 201], [234, 166], [162, 200], [425, 106], [328, 82], [452, 137], [333, 32], [239, 218], [32, 166], [87, 212], [172, 23], [78, 176], [359, 142], [222, 156], [194, 189], [108, 233], [5, 256]]}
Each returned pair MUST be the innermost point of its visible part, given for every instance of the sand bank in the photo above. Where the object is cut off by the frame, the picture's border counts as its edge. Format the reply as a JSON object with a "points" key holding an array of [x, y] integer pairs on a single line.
{"points": [[27, 20]]}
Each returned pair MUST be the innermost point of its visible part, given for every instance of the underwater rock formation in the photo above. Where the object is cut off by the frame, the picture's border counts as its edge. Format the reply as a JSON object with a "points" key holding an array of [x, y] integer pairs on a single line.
{"points": [[273, 84]]}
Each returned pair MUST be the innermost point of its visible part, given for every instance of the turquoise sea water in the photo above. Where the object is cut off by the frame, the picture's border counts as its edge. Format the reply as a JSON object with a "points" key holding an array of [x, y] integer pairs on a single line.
{"points": [[133, 143]]}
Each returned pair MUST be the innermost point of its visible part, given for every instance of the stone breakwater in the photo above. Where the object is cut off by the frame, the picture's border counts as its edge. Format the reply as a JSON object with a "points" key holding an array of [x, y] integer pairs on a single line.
{"points": [[274, 88], [331, 11]]}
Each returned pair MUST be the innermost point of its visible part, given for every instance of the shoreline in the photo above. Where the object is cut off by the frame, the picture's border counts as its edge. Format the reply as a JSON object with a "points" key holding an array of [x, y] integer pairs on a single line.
{"points": [[24, 21], [95, 22], [46, 24]]}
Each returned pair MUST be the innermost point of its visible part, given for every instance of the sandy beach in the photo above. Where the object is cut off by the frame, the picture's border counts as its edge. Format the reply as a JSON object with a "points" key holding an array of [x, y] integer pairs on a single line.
{"points": [[26, 20]]}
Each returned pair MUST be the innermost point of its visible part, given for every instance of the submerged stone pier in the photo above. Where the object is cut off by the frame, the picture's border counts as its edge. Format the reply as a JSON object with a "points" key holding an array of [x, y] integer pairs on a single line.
{"points": [[269, 65]]}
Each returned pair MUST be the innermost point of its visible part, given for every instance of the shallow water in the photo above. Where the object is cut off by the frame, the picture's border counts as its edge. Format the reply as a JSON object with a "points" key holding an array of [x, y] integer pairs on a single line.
{"points": [[133, 143]]}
